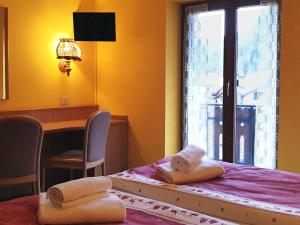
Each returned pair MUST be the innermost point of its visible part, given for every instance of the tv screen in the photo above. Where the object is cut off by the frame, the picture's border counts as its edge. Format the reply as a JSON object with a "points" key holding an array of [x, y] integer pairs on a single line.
{"points": [[94, 26]]}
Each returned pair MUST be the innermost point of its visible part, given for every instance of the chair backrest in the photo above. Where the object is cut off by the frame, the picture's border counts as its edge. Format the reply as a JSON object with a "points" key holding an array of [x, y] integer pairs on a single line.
{"points": [[96, 132], [20, 149]]}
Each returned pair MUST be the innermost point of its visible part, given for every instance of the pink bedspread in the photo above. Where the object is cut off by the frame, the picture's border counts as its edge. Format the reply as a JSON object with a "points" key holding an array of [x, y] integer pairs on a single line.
{"points": [[259, 184], [23, 211]]}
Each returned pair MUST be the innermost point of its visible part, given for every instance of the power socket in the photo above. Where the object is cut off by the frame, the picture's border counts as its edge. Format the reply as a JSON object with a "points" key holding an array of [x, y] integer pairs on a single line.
{"points": [[64, 101]]}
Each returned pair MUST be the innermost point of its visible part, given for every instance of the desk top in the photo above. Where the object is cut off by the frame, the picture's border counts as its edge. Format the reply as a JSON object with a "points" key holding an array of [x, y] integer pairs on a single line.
{"points": [[64, 118], [52, 127]]}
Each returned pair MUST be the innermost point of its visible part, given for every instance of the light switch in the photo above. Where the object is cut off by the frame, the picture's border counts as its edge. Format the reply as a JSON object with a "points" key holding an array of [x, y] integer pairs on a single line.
{"points": [[64, 101]]}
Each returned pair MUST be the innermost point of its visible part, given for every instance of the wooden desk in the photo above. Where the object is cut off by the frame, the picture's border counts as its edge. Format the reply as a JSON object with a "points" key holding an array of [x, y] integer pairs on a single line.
{"points": [[53, 127], [64, 135], [64, 129], [71, 125]]}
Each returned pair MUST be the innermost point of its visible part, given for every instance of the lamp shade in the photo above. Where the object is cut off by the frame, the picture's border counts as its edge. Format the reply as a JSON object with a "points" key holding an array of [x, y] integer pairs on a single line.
{"points": [[68, 49]]}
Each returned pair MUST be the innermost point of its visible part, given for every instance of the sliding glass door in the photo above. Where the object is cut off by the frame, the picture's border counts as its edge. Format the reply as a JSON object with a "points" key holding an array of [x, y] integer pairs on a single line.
{"points": [[230, 72]]}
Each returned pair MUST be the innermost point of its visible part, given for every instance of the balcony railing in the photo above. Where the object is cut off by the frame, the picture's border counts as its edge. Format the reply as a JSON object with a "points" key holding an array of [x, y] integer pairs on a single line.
{"points": [[245, 132]]}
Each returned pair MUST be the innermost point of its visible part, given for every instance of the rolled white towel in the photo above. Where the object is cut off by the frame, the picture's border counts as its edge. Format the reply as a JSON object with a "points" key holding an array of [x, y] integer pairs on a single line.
{"points": [[187, 159], [204, 171], [109, 209], [76, 189], [80, 201]]}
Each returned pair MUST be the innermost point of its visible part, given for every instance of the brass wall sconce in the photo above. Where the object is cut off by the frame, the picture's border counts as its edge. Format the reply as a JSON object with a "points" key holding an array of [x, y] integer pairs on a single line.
{"points": [[67, 50]]}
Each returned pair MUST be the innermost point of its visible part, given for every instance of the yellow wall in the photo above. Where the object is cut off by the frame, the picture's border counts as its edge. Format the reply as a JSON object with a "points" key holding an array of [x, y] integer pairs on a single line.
{"points": [[35, 80], [289, 119], [173, 78], [131, 74]]}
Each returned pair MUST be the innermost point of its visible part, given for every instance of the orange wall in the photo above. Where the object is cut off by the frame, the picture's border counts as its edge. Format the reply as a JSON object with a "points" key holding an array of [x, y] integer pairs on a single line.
{"points": [[289, 119], [35, 80], [131, 74]]}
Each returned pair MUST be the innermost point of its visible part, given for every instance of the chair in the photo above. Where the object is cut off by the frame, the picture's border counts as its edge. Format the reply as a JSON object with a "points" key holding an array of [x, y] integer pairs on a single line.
{"points": [[20, 149], [92, 155]]}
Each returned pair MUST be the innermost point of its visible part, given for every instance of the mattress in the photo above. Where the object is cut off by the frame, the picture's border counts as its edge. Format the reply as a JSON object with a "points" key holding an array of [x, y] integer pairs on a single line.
{"points": [[140, 211], [244, 194]]}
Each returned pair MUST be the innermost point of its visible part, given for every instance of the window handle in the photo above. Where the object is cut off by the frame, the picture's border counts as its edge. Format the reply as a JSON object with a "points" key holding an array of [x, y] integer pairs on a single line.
{"points": [[228, 88]]}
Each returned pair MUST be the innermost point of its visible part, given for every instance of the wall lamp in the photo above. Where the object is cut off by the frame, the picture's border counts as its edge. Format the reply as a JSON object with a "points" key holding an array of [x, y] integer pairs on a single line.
{"points": [[67, 50]]}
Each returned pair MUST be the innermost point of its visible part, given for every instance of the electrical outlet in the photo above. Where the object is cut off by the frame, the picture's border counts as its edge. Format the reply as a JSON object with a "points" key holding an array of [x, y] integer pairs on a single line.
{"points": [[64, 101]]}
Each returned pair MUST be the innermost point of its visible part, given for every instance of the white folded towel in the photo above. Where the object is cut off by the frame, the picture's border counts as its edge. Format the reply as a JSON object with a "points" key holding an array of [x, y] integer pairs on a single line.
{"points": [[80, 201], [109, 209], [204, 171], [75, 189], [187, 159]]}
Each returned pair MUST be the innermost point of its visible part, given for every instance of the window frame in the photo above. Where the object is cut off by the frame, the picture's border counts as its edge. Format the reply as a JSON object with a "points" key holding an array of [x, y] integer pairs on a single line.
{"points": [[229, 70]]}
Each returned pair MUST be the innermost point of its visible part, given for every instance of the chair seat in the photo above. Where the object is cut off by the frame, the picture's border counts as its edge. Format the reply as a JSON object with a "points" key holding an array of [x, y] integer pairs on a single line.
{"points": [[71, 159]]}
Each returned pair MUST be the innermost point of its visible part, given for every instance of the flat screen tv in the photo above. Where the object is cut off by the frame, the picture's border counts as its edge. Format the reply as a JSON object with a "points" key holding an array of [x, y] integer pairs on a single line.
{"points": [[94, 26]]}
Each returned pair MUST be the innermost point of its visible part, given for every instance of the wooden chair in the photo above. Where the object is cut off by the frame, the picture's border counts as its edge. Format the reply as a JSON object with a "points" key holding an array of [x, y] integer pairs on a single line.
{"points": [[21, 140], [92, 155]]}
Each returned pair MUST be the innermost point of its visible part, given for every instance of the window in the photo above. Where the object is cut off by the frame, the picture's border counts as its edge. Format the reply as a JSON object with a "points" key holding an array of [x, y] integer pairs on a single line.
{"points": [[230, 80]]}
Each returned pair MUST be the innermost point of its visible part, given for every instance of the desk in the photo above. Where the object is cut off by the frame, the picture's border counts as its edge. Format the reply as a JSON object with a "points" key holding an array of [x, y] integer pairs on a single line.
{"points": [[64, 129], [54, 127], [72, 125]]}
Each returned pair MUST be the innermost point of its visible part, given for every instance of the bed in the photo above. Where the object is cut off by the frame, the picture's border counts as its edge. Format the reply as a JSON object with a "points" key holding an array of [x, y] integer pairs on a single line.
{"points": [[140, 211], [244, 194]]}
